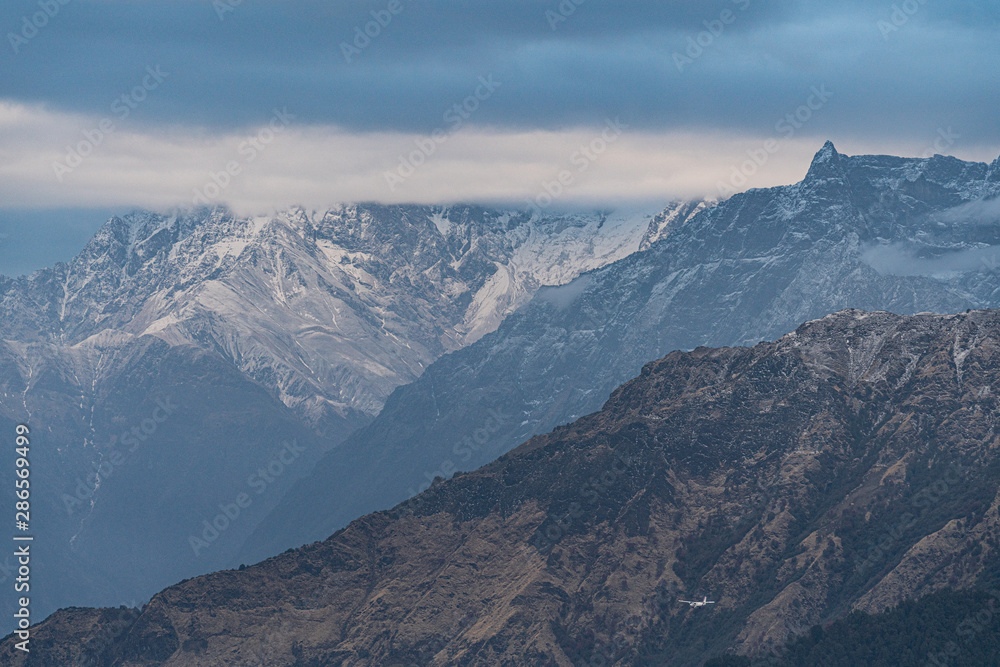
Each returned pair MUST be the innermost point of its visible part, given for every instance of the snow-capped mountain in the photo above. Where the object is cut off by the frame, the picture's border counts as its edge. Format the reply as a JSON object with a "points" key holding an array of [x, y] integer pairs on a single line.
{"points": [[255, 332], [672, 217], [870, 232], [328, 310]]}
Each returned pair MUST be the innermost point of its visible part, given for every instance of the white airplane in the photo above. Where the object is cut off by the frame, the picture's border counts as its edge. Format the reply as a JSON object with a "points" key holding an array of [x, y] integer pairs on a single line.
{"points": [[698, 603]]}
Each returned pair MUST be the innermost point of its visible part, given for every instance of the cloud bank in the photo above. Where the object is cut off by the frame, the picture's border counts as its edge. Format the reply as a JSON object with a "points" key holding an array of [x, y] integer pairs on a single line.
{"points": [[170, 99]]}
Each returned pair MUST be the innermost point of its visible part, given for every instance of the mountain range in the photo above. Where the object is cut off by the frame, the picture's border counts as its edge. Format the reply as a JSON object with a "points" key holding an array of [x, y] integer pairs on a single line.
{"points": [[905, 235], [183, 361], [850, 465], [207, 390]]}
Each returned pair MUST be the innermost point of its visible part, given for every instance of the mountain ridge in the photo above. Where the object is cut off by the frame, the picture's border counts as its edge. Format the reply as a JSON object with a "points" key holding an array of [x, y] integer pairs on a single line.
{"points": [[743, 270], [262, 330], [165, 275], [767, 477]]}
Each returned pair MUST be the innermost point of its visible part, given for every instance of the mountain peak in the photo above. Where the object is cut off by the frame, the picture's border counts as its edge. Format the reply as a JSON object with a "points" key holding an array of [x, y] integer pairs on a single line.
{"points": [[993, 174], [827, 149], [825, 163]]}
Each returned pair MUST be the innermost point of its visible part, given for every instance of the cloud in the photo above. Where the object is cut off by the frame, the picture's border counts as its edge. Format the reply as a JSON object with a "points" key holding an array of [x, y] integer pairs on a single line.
{"points": [[325, 165], [900, 259], [980, 211], [605, 59], [318, 166], [564, 296], [560, 82]]}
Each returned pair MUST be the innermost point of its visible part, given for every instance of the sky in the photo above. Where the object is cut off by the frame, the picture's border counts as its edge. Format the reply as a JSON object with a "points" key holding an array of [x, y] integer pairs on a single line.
{"points": [[109, 105]]}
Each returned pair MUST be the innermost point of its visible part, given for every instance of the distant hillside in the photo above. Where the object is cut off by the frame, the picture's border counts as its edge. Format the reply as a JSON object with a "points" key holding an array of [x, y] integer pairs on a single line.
{"points": [[851, 465]]}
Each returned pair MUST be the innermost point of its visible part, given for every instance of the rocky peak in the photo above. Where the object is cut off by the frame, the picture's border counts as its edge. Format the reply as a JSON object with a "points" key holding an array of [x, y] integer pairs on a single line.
{"points": [[993, 175], [415, 281], [672, 218], [827, 163]]}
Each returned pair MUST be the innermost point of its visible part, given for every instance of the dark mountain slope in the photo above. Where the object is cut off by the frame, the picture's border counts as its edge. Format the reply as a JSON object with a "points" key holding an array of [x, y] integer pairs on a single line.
{"points": [[172, 433], [944, 628], [850, 465]]}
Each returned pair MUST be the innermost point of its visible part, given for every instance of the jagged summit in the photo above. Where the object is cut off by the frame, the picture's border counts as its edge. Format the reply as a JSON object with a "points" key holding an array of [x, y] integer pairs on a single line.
{"points": [[825, 164], [832, 169], [994, 172], [827, 152], [414, 281]]}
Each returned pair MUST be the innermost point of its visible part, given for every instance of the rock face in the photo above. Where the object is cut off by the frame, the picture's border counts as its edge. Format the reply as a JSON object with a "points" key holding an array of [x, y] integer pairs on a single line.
{"points": [[671, 219], [849, 465], [330, 311], [872, 232], [262, 332]]}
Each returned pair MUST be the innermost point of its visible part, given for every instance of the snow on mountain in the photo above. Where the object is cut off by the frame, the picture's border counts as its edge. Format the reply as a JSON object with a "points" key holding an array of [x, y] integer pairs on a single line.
{"points": [[668, 220], [329, 310], [747, 269], [289, 328]]}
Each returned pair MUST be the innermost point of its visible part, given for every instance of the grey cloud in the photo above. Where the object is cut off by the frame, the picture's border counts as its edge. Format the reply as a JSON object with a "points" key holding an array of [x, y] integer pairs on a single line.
{"points": [[903, 260], [606, 59], [981, 212]]}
